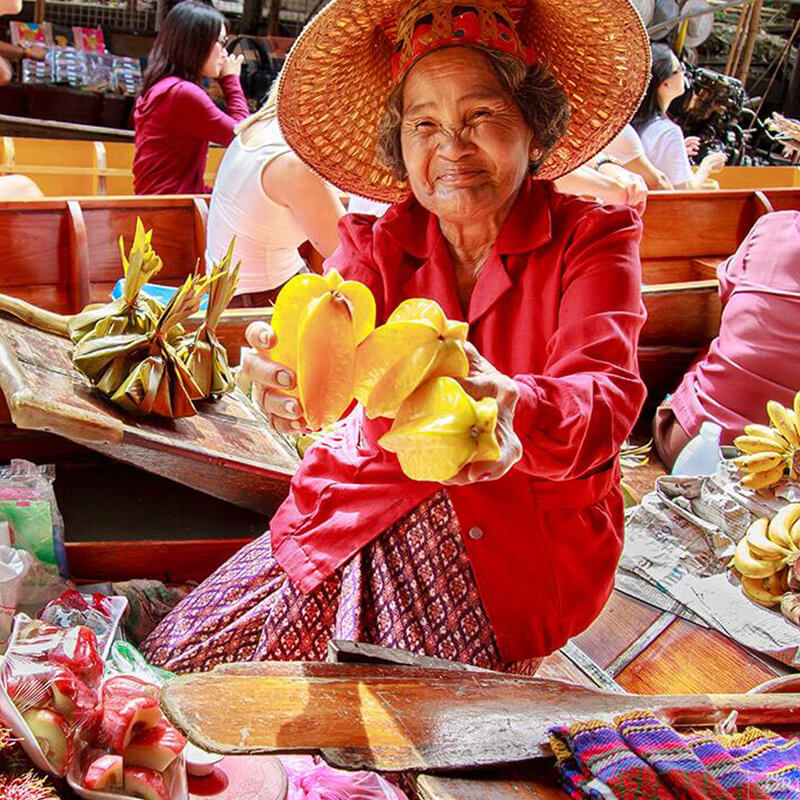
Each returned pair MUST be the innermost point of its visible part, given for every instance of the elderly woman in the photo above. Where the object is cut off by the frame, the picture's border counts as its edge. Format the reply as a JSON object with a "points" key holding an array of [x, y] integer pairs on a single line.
{"points": [[511, 558]]}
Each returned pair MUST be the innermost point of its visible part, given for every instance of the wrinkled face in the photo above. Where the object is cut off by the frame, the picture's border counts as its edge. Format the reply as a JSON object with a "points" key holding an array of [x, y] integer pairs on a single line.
{"points": [[675, 85], [466, 145], [213, 64], [10, 6]]}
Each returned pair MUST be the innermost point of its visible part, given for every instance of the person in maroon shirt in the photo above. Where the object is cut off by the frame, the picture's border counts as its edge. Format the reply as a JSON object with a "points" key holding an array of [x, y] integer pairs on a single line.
{"points": [[504, 563], [174, 118]]}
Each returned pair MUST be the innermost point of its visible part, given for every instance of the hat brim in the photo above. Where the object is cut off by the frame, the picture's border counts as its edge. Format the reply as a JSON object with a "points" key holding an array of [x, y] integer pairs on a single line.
{"points": [[334, 84]]}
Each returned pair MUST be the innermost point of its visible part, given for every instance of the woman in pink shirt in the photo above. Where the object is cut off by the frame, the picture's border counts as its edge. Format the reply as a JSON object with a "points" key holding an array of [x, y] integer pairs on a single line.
{"points": [[174, 118], [754, 358]]}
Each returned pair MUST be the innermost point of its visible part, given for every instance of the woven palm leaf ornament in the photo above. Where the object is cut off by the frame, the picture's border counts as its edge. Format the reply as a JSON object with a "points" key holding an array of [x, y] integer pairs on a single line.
{"points": [[133, 312], [135, 350], [142, 372], [203, 353]]}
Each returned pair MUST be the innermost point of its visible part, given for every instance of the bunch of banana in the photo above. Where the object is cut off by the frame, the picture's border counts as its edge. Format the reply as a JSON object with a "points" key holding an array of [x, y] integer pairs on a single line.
{"points": [[318, 323], [771, 450], [440, 429], [416, 343], [764, 556]]}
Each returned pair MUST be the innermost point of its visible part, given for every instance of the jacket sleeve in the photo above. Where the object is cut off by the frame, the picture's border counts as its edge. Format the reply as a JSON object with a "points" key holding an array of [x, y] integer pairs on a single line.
{"points": [[195, 114], [574, 417], [354, 257]]}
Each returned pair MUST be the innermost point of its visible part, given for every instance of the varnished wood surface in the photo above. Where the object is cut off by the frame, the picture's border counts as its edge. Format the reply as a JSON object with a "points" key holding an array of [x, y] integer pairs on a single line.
{"points": [[398, 718], [226, 449]]}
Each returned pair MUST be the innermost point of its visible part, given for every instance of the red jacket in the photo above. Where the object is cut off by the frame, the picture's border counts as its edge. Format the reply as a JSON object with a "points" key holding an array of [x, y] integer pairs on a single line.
{"points": [[174, 121], [558, 307]]}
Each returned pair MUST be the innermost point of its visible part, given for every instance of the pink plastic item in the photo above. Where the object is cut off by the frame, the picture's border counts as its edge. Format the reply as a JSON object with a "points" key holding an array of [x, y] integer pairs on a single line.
{"points": [[312, 779]]}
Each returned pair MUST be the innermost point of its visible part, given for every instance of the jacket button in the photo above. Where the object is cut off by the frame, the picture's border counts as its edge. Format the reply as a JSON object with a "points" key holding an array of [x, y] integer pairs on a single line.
{"points": [[475, 533]]}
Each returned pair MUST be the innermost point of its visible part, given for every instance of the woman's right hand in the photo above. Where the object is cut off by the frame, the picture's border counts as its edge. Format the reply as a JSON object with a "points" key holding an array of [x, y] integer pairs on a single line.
{"points": [[712, 163], [271, 380], [231, 65]]}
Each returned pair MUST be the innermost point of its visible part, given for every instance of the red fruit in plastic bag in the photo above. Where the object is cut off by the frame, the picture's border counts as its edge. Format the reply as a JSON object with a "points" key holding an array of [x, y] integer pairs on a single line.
{"points": [[123, 716], [71, 696], [145, 783], [52, 732], [77, 650], [127, 685], [155, 747], [103, 772]]}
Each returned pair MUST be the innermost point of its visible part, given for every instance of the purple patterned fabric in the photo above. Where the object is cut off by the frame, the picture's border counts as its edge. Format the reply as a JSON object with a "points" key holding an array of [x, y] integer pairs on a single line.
{"points": [[412, 588]]}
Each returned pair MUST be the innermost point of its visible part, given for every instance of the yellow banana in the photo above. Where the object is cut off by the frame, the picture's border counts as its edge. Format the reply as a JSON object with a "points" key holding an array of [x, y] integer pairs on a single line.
{"points": [[749, 566], [766, 432], [797, 405], [757, 591], [763, 480], [760, 444], [780, 527], [761, 546], [794, 535], [785, 422], [759, 462]]}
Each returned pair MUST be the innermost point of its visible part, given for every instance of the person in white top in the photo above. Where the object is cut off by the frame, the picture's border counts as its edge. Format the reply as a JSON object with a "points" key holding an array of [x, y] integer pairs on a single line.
{"points": [[662, 140], [626, 147], [272, 203]]}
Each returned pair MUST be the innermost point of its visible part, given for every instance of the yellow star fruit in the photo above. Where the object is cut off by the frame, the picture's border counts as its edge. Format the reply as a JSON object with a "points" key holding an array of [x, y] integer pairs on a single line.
{"points": [[318, 323], [417, 343], [439, 429]]}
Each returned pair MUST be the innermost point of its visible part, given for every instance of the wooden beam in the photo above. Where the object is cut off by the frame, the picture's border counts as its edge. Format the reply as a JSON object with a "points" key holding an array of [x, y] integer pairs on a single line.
{"points": [[79, 290], [274, 18], [750, 41], [251, 16]]}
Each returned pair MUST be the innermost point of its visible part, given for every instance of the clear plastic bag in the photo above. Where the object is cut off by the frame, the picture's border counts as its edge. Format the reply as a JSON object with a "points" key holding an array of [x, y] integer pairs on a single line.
{"points": [[28, 504]]}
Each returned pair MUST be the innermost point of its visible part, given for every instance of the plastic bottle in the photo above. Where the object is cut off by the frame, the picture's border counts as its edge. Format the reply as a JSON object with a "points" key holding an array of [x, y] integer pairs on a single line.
{"points": [[701, 455]]}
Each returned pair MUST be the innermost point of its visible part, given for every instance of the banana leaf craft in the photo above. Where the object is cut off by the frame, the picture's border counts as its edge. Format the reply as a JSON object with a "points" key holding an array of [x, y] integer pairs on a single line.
{"points": [[133, 313], [202, 352], [142, 372]]}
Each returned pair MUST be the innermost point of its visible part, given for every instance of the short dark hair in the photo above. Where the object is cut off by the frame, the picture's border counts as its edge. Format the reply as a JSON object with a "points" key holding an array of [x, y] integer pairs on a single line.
{"points": [[541, 99], [184, 42], [660, 71]]}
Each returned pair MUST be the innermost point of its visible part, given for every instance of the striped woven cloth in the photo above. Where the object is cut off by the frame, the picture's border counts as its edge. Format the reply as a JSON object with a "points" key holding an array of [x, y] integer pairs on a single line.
{"points": [[639, 757]]}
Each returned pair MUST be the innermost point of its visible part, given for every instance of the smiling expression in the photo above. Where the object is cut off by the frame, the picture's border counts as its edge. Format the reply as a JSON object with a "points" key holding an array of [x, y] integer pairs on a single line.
{"points": [[466, 145]]}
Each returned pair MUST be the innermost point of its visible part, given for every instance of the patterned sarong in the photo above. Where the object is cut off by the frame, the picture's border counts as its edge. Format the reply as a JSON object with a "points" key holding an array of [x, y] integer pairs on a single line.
{"points": [[641, 758], [412, 588]]}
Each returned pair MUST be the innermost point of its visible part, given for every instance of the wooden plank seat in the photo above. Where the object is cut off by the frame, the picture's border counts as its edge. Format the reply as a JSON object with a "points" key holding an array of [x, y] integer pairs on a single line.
{"points": [[79, 167]]}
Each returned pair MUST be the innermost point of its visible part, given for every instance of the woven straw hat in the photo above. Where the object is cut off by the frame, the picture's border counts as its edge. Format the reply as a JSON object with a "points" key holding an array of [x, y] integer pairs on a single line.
{"points": [[336, 79]]}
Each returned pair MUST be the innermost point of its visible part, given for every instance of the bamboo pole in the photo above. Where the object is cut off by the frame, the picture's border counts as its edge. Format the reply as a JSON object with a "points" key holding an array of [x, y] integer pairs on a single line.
{"points": [[736, 44], [750, 41]]}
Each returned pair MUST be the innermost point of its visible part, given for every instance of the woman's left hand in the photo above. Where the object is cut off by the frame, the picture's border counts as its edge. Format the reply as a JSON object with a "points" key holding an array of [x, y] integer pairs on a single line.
{"points": [[485, 381]]}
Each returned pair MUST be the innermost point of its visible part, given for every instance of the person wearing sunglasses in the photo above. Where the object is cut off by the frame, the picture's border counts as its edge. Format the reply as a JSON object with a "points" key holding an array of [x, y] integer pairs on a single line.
{"points": [[174, 118], [663, 141]]}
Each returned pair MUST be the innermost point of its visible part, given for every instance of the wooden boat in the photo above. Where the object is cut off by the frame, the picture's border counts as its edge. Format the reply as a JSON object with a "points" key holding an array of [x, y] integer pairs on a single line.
{"points": [[80, 166], [758, 177], [61, 254]]}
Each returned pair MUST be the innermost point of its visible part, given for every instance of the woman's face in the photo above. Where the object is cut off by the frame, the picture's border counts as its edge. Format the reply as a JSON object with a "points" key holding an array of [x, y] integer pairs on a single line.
{"points": [[674, 86], [466, 145], [213, 64]]}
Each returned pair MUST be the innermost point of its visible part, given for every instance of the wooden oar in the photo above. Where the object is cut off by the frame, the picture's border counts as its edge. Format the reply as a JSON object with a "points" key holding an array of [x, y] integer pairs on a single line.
{"points": [[412, 718]]}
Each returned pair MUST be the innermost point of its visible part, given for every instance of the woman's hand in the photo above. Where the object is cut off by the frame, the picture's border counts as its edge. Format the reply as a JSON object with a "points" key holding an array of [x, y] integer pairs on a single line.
{"points": [[231, 65], [713, 162], [269, 379], [692, 144], [485, 381], [633, 187]]}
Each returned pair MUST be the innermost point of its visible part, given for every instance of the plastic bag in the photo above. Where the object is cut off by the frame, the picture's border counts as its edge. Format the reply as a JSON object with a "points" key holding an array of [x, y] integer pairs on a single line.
{"points": [[28, 504], [50, 677], [14, 566], [97, 612], [312, 779]]}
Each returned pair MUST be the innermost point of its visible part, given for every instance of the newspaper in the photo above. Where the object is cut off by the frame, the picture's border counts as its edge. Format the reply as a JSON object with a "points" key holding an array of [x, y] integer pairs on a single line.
{"points": [[680, 540]]}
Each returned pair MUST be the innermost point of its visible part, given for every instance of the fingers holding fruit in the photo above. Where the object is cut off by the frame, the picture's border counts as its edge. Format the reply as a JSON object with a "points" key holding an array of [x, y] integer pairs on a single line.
{"points": [[484, 381]]}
